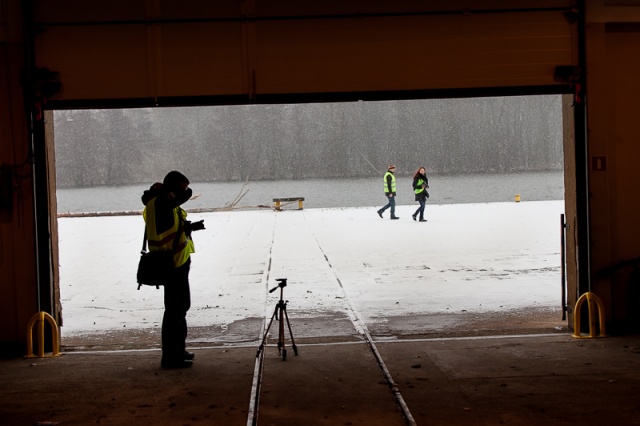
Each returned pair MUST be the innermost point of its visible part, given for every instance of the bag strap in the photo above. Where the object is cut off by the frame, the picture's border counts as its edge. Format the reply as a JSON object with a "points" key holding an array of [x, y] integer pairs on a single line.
{"points": [[144, 240]]}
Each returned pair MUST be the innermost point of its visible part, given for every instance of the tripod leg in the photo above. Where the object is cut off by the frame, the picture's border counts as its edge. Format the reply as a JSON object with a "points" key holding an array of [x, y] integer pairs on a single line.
{"points": [[293, 342], [281, 345], [266, 332]]}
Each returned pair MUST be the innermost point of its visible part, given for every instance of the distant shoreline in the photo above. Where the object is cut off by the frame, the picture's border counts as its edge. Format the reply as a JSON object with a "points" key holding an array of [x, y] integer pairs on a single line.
{"points": [[320, 193]]}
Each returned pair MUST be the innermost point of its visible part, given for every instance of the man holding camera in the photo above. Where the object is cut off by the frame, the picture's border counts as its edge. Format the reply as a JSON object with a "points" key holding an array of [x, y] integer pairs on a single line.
{"points": [[168, 230]]}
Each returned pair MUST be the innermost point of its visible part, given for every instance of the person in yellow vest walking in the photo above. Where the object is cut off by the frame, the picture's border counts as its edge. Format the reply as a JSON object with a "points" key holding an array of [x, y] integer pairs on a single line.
{"points": [[420, 186], [390, 192], [168, 230]]}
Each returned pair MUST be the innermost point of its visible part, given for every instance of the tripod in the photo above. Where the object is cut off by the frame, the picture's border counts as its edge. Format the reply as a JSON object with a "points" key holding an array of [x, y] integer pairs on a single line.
{"points": [[280, 314]]}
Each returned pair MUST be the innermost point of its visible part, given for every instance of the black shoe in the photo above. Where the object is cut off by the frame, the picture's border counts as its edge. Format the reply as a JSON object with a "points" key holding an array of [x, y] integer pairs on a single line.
{"points": [[189, 355], [380, 214], [413, 216], [394, 217], [423, 220], [185, 363]]}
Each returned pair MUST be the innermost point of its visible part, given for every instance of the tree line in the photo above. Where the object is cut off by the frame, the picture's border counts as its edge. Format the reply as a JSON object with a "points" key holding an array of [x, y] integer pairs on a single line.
{"points": [[327, 140]]}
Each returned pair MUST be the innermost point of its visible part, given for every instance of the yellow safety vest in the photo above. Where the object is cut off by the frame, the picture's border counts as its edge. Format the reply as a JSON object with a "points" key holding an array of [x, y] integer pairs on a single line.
{"points": [[393, 182], [165, 241], [419, 189]]}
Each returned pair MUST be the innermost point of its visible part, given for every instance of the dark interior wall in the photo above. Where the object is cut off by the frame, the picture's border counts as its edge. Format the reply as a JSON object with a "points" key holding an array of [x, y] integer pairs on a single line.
{"points": [[614, 151], [18, 299]]}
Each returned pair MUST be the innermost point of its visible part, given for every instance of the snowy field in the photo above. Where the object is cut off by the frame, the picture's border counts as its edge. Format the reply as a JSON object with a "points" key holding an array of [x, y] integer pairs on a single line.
{"points": [[467, 258]]}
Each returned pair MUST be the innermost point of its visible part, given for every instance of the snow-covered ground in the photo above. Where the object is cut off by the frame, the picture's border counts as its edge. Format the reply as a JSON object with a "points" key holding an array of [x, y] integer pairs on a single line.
{"points": [[467, 257]]}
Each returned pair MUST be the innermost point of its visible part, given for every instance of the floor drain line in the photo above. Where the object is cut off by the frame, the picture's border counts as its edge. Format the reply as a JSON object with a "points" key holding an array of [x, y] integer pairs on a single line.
{"points": [[361, 327], [254, 403]]}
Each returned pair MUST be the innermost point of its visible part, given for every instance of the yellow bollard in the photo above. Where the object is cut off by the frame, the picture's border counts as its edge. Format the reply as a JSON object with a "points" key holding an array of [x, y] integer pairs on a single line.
{"points": [[40, 317], [517, 198], [589, 297]]}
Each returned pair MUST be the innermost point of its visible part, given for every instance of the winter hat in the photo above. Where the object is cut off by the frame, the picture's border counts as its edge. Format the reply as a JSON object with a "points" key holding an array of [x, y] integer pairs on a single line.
{"points": [[174, 180]]}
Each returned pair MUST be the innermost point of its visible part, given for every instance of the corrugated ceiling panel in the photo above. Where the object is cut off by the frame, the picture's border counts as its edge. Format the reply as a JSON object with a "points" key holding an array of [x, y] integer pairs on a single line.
{"points": [[139, 61], [98, 61], [324, 7], [172, 55], [201, 59], [406, 53], [88, 11], [199, 9]]}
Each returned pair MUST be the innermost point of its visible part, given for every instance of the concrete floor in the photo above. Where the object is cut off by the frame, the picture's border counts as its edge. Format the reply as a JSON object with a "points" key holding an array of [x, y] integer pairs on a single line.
{"points": [[526, 379]]}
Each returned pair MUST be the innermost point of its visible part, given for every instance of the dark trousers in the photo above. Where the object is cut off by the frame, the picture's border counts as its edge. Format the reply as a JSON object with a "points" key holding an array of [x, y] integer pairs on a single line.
{"points": [[177, 301], [420, 210], [391, 203]]}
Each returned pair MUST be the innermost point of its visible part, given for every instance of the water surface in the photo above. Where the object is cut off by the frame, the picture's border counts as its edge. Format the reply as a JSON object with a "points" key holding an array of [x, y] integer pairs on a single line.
{"points": [[325, 193]]}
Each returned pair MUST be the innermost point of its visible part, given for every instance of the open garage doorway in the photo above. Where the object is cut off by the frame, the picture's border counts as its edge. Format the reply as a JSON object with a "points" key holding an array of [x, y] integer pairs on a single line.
{"points": [[487, 260]]}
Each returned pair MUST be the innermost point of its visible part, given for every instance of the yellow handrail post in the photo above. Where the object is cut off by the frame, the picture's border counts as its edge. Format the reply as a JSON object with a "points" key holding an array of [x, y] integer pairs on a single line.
{"points": [[40, 318], [589, 297]]}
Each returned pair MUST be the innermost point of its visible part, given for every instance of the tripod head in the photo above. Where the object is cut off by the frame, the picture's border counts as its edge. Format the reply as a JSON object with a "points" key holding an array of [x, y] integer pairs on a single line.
{"points": [[282, 283]]}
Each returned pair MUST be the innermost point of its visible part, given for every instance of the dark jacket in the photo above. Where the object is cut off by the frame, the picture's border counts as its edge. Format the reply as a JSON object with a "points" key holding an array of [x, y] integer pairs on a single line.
{"points": [[423, 195]]}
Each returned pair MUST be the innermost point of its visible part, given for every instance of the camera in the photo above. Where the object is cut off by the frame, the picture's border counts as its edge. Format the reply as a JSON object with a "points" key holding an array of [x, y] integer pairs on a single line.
{"points": [[193, 226]]}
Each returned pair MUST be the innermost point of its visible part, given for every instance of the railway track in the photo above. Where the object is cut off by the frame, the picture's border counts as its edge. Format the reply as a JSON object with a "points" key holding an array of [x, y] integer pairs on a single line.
{"points": [[358, 324]]}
